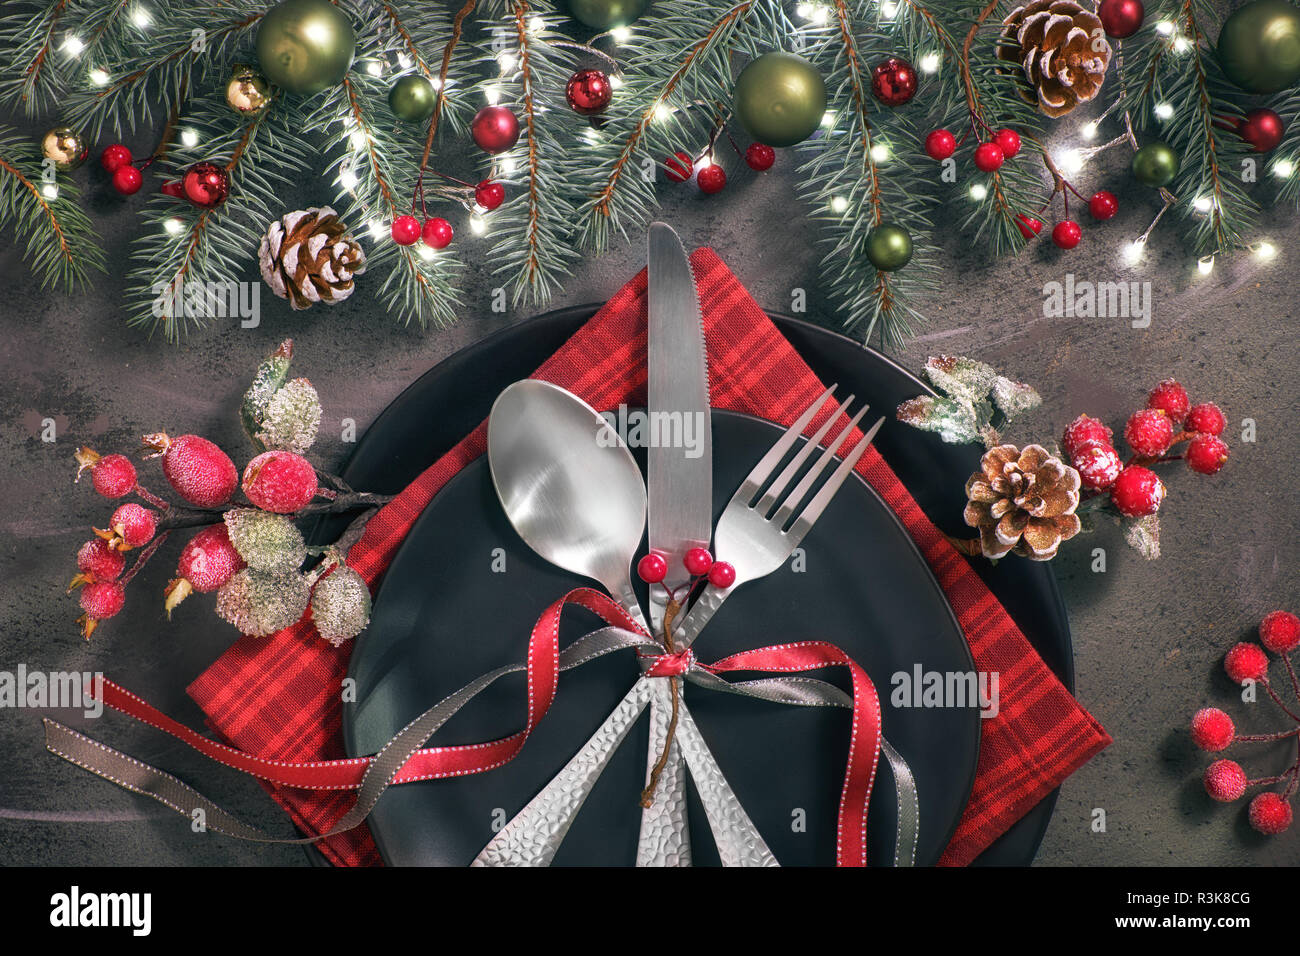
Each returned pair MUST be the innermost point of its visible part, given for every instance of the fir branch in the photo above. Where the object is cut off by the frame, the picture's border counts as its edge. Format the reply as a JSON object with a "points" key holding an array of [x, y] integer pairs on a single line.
{"points": [[60, 242], [30, 78]]}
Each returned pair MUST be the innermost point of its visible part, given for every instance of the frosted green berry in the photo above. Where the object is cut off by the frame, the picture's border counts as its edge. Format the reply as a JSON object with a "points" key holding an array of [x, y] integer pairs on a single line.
{"points": [[292, 418], [259, 603], [340, 605], [270, 377], [267, 542]]}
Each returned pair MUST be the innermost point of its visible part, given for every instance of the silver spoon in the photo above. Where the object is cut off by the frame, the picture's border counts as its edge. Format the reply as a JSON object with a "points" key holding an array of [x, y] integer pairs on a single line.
{"points": [[568, 484]]}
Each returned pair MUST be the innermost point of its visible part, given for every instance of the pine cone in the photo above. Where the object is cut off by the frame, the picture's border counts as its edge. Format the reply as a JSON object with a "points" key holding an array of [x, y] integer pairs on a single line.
{"points": [[307, 256], [1022, 501], [1061, 50]]}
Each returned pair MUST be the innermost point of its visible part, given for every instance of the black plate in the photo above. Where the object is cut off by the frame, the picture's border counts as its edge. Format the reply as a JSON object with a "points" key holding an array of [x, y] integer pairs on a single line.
{"points": [[443, 616], [449, 400]]}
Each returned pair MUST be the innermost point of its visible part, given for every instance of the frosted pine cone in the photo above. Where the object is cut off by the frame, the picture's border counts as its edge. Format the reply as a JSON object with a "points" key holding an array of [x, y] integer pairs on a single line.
{"points": [[1061, 50], [1022, 501], [308, 256]]}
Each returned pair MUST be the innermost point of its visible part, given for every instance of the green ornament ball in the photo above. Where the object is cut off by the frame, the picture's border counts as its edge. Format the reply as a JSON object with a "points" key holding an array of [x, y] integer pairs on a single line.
{"points": [[305, 46], [889, 247], [1155, 165], [1259, 46], [780, 98], [606, 14], [412, 98]]}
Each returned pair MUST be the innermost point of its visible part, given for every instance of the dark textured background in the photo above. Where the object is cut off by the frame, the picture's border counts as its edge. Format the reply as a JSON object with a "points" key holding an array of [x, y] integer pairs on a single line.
{"points": [[1148, 636]]}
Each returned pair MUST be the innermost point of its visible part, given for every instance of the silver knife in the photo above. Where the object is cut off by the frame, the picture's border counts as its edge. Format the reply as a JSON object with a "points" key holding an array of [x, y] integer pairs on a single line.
{"points": [[680, 489]]}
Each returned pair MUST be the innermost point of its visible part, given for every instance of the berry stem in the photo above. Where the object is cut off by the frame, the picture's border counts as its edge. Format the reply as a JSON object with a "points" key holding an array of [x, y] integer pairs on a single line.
{"points": [[199, 517], [1265, 738], [144, 556], [1290, 672], [151, 498], [1278, 700]]}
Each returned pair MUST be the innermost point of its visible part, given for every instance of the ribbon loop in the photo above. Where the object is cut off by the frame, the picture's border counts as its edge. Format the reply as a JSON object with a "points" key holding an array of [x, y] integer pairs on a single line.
{"points": [[671, 665]]}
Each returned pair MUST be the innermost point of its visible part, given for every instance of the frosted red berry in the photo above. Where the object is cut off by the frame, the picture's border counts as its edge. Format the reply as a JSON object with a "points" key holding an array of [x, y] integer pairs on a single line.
{"points": [[711, 179], [989, 157], [114, 157], [405, 230], [1008, 141], [1170, 398], [1103, 205], [1280, 632], [1066, 234], [697, 561], [1029, 226], [940, 144], [1207, 418], [133, 526], [679, 166], [209, 560], [1212, 729], [722, 575], [196, 468], [98, 562], [1149, 432], [1098, 465], [760, 157], [489, 195], [1246, 662], [102, 599], [1082, 430], [1206, 454], [127, 180], [1270, 814], [437, 233], [1137, 492], [1225, 781], [114, 476], [652, 568], [280, 481]]}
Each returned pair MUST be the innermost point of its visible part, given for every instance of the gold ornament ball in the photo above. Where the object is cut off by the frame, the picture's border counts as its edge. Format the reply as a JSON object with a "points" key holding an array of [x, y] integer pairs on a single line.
{"points": [[248, 91], [1259, 46], [64, 145], [780, 98], [305, 46]]}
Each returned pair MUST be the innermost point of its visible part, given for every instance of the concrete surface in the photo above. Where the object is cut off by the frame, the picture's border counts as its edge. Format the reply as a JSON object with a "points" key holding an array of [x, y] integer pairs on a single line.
{"points": [[1148, 636]]}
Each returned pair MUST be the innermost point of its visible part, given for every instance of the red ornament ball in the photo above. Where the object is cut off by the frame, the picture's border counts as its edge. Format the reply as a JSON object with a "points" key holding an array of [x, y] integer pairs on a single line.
{"points": [[1246, 662], [206, 184], [173, 189], [1098, 465], [588, 92], [1262, 128], [127, 180], [652, 568], [1206, 454], [1280, 632], [711, 179], [1137, 492], [760, 157], [406, 229], [1270, 814], [114, 157], [893, 82], [1029, 226], [1121, 18], [1212, 729], [940, 144], [494, 129], [989, 157], [1082, 430], [1103, 205], [1206, 417], [1171, 398], [679, 166], [1149, 432], [697, 561], [1008, 141], [1066, 234], [1225, 781], [489, 195], [437, 233], [722, 575]]}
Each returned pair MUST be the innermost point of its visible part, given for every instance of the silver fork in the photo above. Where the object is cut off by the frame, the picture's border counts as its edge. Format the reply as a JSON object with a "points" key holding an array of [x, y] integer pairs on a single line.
{"points": [[757, 537]]}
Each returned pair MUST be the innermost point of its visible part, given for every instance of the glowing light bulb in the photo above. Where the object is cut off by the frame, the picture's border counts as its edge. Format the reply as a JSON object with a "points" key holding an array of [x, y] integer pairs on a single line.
{"points": [[828, 119], [173, 226], [880, 152], [377, 230], [436, 83], [804, 10], [1205, 265], [189, 138], [375, 68], [358, 139], [930, 63], [889, 9], [662, 111], [1202, 203], [536, 25], [1181, 45], [477, 225], [73, 46], [621, 34], [493, 94], [426, 252], [821, 15], [1165, 28], [141, 17], [1071, 161], [1265, 251], [615, 81], [839, 204], [403, 61], [50, 191], [347, 178], [1089, 131], [978, 191], [1164, 111], [1133, 252], [99, 77], [507, 62], [1283, 168], [592, 135]]}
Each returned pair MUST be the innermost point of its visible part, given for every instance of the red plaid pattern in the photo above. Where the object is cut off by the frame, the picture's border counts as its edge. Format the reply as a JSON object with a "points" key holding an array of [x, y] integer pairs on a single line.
{"points": [[278, 696]]}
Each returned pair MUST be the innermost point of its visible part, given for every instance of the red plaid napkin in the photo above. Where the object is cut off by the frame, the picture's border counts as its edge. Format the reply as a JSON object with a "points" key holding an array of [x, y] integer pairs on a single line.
{"points": [[278, 697]]}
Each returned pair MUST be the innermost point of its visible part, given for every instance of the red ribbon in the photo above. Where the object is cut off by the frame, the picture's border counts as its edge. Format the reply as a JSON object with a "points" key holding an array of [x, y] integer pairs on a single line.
{"points": [[432, 763]]}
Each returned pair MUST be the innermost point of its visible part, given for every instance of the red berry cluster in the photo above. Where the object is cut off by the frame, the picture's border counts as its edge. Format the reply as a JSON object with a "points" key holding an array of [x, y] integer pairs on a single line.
{"points": [[699, 563], [711, 177], [1213, 730], [989, 155], [1168, 420], [436, 231]]}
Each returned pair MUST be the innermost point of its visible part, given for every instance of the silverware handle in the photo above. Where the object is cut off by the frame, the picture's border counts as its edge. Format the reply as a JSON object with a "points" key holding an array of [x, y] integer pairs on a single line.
{"points": [[627, 597], [699, 615]]}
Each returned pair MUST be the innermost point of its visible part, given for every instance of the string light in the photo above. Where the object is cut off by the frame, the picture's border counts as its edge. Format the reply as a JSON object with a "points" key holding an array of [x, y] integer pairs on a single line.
{"points": [[880, 152], [507, 61], [173, 226], [1089, 131], [493, 94], [436, 83], [828, 119], [821, 15], [1265, 251], [592, 135], [1181, 45], [930, 62], [376, 229], [978, 191], [536, 25], [839, 204], [662, 111], [804, 10], [1205, 265], [347, 178], [1202, 204], [403, 61], [477, 225], [375, 68], [621, 34], [141, 17], [1164, 111], [1165, 28], [426, 252], [1283, 168], [189, 138], [50, 191], [889, 9], [358, 139], [1071, 162], [1133, 251], [73, 46], [99, 77], [615, 81]]}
